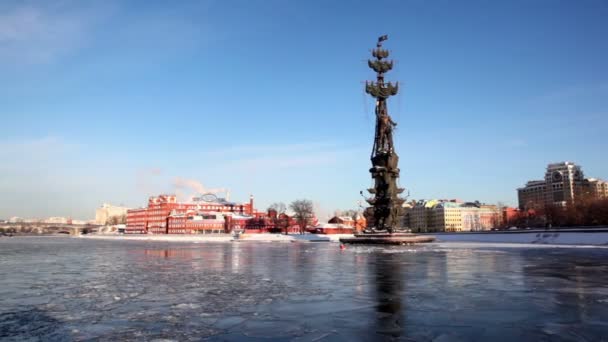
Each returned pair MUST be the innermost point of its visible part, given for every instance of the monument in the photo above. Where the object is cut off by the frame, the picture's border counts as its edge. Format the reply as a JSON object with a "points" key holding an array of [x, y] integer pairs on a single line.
{"points": [[384, 216]]}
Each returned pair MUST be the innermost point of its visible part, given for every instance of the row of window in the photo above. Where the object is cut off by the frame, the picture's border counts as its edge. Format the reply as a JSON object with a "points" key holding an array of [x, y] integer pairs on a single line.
{"points": [[533, 189], [206, 225], [180, 231]]}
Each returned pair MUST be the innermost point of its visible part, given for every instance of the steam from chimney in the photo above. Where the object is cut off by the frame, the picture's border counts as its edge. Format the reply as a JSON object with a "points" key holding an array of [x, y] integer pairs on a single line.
{"points": [[193, 188]]}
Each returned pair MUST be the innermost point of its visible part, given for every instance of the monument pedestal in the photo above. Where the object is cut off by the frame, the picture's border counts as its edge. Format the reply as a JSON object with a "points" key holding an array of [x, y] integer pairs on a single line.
{"points": [[388, 239]]}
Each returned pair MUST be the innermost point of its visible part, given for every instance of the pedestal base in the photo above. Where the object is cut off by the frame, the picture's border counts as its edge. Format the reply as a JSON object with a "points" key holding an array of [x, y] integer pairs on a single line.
{"points": [[388, 239]]}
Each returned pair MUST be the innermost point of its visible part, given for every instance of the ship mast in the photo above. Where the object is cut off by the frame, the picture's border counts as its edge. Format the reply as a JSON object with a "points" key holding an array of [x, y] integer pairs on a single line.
{"points": [[383, 140]]}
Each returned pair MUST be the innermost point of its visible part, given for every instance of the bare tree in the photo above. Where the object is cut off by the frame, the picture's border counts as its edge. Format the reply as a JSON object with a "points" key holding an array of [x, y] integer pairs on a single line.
{"points": [[352, 213], [303, 212], [498, 220], [111, 221], [116, 219], [283, 222], [279, 207], [279, 218]]}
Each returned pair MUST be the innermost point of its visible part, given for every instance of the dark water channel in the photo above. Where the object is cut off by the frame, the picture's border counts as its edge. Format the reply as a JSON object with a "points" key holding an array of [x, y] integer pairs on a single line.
{"points": [[62, 289]]}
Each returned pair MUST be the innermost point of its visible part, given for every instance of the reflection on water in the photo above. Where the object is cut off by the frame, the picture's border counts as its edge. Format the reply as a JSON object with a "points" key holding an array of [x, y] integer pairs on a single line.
{"points": [[78, 289], [389, 289]]}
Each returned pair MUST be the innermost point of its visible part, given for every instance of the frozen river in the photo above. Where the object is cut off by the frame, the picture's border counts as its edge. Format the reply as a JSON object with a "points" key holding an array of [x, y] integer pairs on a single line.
{"points": [[56, 289]]}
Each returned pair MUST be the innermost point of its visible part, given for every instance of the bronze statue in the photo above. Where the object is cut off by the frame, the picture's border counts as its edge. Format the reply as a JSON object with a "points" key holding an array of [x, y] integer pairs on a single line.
{"points": [[385, 125], [385, 213]]}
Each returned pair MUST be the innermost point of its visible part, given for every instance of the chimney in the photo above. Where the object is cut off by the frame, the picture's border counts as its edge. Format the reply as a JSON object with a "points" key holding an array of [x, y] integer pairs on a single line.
{"points": [[251, 205], [228, 195]]}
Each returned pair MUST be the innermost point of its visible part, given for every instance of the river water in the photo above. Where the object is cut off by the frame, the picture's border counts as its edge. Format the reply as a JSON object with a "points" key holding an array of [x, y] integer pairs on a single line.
{"points": [[66, 289]]}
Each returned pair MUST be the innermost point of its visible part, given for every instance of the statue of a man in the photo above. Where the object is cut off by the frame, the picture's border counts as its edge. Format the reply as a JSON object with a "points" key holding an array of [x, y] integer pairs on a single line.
{"points": [[385, 127]]}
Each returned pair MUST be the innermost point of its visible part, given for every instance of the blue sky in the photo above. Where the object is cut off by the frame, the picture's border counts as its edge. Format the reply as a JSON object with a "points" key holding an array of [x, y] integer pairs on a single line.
{"points": [[115, 101]]}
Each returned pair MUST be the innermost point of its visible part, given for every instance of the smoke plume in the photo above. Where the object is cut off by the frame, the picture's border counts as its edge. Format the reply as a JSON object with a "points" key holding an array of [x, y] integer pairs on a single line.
{"points": [[189, 188]]}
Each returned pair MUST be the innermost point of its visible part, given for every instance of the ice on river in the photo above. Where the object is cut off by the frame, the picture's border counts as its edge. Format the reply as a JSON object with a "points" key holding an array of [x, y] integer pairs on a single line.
{"points": [[81, 289]]}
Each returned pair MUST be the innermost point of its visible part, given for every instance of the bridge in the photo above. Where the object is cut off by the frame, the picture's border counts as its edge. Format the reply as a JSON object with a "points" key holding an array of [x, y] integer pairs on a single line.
{"points": [[36, 228]]}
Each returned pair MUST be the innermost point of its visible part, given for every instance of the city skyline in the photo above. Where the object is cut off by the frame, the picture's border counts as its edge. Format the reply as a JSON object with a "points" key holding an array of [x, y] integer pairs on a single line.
{"points": [[116, 102]]}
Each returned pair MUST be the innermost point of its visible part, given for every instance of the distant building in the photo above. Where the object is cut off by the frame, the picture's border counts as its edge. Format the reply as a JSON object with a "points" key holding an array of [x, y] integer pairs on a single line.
{"points": [[509, 214], [344, 220], [596, 188], [453, 216], [106, 211], [564, 184], [15, 219], [421, 219], [533, 195], [405, 214], [336, 225], [195, 223], [447, 217], [165, 215], [56, 220], [79, 222], [479, 217]]}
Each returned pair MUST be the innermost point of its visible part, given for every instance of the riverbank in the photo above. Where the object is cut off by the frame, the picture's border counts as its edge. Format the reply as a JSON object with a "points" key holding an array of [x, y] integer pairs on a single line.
{"points": [[596, 237], [561, 237], [221, 237]]}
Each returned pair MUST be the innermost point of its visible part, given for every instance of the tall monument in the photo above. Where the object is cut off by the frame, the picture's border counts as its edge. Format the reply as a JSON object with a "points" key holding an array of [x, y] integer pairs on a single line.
{"points": [[384, 215], [386, 206]]}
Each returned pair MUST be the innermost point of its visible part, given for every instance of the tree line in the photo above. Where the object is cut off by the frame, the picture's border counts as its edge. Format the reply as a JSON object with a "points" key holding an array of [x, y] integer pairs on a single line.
{"points": [[303, 213], [584, 212], [117, 219]]}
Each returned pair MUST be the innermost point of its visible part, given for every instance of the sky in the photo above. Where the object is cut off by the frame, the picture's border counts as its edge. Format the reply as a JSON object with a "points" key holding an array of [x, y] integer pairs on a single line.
{"points": [[114, 101]]}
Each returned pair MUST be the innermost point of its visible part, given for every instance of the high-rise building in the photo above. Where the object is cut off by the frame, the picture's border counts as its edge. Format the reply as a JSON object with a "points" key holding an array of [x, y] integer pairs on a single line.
{"points": [[564, 183], [532, 196]]}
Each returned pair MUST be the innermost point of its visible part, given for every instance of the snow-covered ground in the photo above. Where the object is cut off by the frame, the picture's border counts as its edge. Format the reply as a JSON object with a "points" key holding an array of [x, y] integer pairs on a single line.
{"points": [[475, 245], [223, 238], [294, 237], [548, 237], [171, 238]]}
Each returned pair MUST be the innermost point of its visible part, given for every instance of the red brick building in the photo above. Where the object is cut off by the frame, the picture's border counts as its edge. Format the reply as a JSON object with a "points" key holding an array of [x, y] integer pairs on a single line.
{"points": [[509, 214], [338, 225], [165, 215]]}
